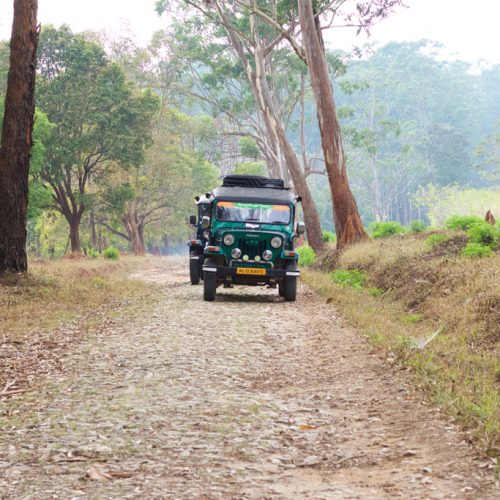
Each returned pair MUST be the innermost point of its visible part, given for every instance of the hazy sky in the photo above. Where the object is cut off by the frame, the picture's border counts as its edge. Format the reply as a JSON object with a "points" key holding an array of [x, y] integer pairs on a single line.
{"points": [[467, 29]]}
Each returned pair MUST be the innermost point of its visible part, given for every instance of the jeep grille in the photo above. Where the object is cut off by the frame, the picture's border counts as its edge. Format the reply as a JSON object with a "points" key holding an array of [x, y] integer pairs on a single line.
{"points": [[252, 248]]}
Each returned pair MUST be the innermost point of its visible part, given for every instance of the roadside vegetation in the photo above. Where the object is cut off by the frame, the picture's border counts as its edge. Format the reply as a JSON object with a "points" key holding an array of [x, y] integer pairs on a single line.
{"points": [[55, 306], [430, 300]]}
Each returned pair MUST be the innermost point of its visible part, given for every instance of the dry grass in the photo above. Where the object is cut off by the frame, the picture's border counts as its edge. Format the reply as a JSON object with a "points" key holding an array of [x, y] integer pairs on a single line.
{"points": [[422, 290], [59, 289], [48, 311]]}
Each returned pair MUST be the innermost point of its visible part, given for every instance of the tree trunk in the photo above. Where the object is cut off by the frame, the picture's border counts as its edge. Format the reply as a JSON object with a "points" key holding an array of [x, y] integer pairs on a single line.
{"points": [[93, 234], [348, 225], [74, 234], [267, 104], [15, 150], [135, 230]]}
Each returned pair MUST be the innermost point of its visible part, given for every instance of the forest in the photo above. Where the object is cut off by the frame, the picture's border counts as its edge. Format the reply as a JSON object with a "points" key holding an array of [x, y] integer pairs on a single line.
{"points": [[330, 329], [142, 130]]}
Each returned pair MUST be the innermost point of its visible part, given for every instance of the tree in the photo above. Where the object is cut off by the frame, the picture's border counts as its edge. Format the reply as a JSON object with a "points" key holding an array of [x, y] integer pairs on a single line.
{"points": [[100, 119], [348, 225], [253, 43], [162, 187], [15, 149]]}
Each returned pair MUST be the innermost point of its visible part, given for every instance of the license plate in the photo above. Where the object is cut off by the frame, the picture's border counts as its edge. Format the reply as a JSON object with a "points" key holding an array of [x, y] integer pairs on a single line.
{"points": [[251, 270]]}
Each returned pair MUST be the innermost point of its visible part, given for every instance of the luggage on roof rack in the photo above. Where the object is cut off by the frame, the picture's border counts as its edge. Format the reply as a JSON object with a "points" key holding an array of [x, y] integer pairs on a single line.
{"points": [[255, 181]]}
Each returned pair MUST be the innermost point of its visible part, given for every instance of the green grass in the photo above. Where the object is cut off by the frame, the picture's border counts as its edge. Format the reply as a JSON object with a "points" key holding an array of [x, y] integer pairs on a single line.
{"points": [[352, 278], [307, 256], [435, 239]]}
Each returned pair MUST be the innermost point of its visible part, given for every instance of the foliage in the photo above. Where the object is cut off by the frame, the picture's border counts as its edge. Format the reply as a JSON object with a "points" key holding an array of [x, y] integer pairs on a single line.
{"points": [[249, 148], [435, 239], [93, 254], [484, 234], [416, 226], [462, 222], [441, 203], [111, 253], [103, 119], [477, 250], [385, 229], [329, 236], [353, 278], [488, 152], [307, 256], [251, 168]]}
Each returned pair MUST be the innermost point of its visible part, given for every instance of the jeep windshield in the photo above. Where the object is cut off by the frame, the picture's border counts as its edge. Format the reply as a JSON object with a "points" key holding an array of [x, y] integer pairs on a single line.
{"points": [[256, 213]]}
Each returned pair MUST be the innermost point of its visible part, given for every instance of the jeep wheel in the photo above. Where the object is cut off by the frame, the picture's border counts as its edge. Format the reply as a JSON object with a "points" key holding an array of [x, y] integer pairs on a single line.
{"points": [[290, 284], [209, 283], [194, 268], [281, 288]]}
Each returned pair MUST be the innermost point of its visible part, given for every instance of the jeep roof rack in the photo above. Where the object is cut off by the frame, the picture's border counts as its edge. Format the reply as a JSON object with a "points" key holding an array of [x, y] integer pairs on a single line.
{"points": [[254, 181]]}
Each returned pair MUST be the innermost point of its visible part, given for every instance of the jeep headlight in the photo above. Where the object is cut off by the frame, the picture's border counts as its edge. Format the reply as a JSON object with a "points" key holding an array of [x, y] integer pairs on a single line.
{"points": [[235, 253], [276, 242], [228, 239], [267, 255]]}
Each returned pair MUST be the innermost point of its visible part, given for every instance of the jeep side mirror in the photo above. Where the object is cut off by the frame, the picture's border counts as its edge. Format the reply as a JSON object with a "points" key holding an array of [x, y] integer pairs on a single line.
{"points": [[301, 228], [192, 220], [205, 222]]}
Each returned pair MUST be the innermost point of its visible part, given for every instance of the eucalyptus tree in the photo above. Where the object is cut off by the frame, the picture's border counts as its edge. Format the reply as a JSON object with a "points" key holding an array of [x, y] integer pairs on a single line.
{"points": [[98, 117], [232, 26], [16, 141]]}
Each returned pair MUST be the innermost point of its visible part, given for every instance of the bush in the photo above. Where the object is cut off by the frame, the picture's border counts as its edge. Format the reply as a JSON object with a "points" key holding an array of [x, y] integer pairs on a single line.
{"points": [[477, 250], [307, 256], [484, 234], [328, 236], [417, 226], [435, 239], [111, 253], [93, 254], [353, 278], [463, 222], [385, 229]]}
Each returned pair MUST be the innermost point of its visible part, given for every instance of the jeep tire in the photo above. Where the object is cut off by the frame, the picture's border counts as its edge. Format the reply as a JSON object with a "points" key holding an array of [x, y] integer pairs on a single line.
{"points": [[290, 283], [209, 282], [194, 267]]}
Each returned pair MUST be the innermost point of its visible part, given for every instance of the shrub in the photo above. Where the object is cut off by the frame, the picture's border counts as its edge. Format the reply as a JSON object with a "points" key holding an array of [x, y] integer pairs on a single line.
{"points": [[375, 292], [385, 229], [328, 236], [417, 226], [435, 239], [484, 234], [477, 250], [345, 277], [111, 253], [307, 256], [463, 222], [93, 254]]}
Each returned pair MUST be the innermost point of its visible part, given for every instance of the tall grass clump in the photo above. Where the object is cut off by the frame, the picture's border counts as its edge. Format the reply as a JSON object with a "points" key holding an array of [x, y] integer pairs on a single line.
{"points": [[307, 256], [385, 229], [463, 222], [353, 278], [484, 234], [417, 226], [329, 236], [111, 253]]}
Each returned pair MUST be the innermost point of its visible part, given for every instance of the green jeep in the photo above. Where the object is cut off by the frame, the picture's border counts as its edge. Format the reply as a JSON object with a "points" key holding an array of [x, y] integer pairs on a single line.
{"points": [[251, 236]]}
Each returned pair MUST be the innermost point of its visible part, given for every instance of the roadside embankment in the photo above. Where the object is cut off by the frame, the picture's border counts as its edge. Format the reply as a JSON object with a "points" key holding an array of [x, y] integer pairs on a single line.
{"points": [[432, 310]]}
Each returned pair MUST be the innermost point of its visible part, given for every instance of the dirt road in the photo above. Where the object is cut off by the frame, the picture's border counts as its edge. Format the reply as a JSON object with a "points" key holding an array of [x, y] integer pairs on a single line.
{"points": [[247, 397]]}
